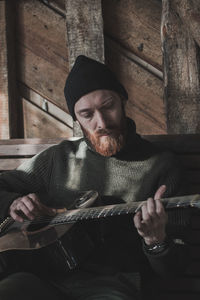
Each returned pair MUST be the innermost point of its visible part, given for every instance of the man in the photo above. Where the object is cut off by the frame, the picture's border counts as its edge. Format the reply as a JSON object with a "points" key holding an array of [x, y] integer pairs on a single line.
{"points": [[114, 161]]}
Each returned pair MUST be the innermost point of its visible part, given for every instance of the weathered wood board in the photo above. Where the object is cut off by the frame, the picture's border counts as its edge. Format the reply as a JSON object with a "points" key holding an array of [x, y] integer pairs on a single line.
{"points": [[145, 104], [4, 100], [136, 26], [181, 67], [39, 124], [42, 50]]}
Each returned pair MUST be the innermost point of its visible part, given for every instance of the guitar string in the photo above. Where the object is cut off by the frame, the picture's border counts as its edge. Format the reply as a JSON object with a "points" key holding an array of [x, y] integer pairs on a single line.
{"points": [[99, 211], [104, 212], [77, 216]]}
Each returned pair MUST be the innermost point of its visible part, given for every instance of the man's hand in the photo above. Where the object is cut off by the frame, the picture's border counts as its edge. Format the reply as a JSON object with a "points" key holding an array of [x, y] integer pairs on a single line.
{"points": [[29, 206], [151, 219]]}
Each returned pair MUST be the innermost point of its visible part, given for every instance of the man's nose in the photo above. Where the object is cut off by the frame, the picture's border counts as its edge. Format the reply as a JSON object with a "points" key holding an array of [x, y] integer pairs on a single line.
{"points": [[100, 121]]}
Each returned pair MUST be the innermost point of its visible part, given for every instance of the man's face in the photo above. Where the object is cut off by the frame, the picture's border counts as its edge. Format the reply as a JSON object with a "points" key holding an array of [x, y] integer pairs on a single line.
{"points": [[101, 116]]}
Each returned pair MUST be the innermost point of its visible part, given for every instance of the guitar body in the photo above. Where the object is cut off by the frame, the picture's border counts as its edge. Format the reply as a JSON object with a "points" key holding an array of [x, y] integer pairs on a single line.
{"points": [[21, 238], [42, 231]]}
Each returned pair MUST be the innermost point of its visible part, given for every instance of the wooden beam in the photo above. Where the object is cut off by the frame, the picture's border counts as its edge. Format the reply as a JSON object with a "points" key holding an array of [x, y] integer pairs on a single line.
{"points": [[181, 70], [4, 104], [10, 125], [189, 10], [84, 25]]}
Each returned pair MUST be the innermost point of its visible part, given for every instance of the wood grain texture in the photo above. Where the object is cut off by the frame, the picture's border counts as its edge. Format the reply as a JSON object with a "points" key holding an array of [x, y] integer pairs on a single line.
{"points": [[38, 124], [84, 31], [145, 104], [11, 163], [4, 97], [42, 50], [189, 10], [84, 28], [34, 141], [135, 25], [46, 105], [181, 71], [10, 107]]}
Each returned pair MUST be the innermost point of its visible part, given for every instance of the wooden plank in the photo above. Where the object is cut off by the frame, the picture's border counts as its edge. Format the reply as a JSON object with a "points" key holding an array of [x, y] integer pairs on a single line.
{"points": [[34, 141], [22, 150], [84, 26], [181, 71], [11, 164], [41, 125], [46, 105], [10, 106], [42, 51], [145, 105], [136, 26], [189, 10], [135, 58], [4, 93], [84, 31]]}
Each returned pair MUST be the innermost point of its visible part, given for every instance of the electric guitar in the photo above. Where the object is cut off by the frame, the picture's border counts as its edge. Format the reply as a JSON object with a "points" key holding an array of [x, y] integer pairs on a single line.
{"points": [[45, 230]]}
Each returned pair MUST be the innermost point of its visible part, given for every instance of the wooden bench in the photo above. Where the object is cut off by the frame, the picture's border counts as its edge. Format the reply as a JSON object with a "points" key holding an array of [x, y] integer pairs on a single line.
{"points": [[187, 147]]}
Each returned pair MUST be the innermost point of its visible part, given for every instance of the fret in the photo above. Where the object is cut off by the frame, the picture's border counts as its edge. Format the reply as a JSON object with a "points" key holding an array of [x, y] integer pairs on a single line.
{"points": [[121, 209]]}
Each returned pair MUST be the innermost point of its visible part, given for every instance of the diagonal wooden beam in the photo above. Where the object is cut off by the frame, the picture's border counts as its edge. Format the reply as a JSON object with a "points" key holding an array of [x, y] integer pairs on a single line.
{"points": [[181, 71], [84, 28]]}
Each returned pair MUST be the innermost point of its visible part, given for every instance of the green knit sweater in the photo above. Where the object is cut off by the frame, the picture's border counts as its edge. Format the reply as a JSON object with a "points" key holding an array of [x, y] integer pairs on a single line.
{"points": [[59, 173]]}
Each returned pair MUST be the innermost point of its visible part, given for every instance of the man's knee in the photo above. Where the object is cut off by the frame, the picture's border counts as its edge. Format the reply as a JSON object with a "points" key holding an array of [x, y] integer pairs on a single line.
{"points": [[26, 286]]}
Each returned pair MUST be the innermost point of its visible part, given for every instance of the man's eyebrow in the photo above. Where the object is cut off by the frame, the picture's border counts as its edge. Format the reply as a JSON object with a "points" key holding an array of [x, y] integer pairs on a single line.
{"points": [[107, 100], [83, 110]]}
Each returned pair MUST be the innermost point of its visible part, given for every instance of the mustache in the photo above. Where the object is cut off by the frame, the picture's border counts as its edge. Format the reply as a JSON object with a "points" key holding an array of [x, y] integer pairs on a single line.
{"points": [[108, 131]]}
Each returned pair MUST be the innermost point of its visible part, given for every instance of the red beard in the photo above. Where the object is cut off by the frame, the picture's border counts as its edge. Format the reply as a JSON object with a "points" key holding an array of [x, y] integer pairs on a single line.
{"points": [[106, 145]]}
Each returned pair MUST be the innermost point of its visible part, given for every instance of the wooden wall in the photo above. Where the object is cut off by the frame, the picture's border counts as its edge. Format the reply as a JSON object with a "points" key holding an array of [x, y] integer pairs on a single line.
{"points": [[132, 50], [42, 69]]}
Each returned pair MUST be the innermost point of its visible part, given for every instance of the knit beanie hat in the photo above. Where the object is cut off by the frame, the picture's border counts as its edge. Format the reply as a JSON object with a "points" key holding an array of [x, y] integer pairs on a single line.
{"points": [[88, 75]]}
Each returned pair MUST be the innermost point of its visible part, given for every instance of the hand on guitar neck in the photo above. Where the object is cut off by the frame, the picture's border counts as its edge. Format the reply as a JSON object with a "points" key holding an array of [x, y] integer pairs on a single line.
{"points": [[29, 207], [150, 221]]}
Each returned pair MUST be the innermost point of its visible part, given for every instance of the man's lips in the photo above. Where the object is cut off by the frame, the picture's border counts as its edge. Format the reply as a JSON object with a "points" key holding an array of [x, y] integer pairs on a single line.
{"points": [[105, 134]]}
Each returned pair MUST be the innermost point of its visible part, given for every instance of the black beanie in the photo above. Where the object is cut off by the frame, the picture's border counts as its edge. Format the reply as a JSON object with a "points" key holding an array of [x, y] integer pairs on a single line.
{"points": [[88, 75]]}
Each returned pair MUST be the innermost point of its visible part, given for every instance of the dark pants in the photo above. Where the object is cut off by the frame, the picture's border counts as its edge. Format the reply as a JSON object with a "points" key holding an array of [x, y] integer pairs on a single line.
{"points": [[79, 286], [26, 286]]}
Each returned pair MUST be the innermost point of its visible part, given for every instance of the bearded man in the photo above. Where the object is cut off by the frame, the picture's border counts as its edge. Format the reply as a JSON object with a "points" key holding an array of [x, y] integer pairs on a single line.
{"points": [[122, 167]]}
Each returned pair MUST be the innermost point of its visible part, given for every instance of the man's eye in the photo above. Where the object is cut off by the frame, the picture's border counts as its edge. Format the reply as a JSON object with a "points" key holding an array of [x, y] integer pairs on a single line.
{"points": [[87, 115], [108, 106]]}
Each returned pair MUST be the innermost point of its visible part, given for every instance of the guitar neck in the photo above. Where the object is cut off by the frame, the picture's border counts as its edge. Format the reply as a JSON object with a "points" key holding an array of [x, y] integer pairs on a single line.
{"points": [[75, 215]]}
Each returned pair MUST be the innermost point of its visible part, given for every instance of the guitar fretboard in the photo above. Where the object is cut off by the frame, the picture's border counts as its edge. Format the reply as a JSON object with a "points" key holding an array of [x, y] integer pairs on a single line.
{"points": [[75, 215]]}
